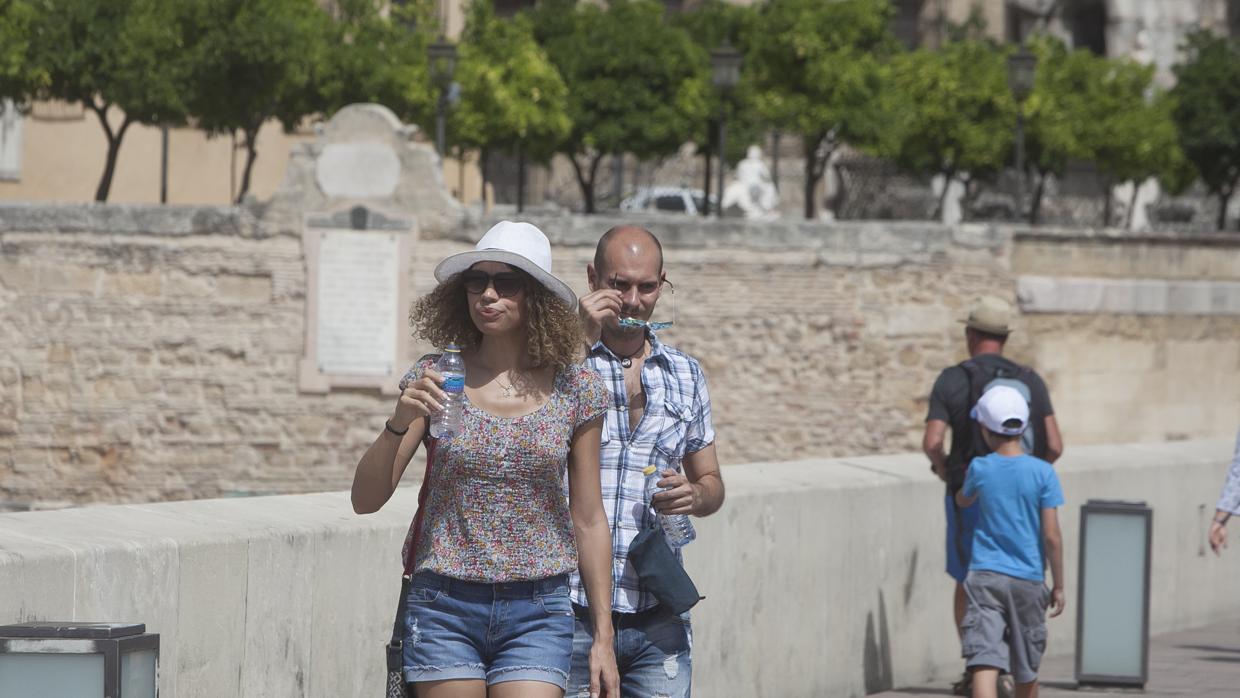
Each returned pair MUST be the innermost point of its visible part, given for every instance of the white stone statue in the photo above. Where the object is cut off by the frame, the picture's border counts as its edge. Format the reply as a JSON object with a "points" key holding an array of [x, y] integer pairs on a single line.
{"points": [[752, 191]]}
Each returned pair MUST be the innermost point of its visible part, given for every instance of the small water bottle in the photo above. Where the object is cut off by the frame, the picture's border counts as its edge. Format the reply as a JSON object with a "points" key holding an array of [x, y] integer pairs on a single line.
{"points": [[452, 367], [677, 528]]}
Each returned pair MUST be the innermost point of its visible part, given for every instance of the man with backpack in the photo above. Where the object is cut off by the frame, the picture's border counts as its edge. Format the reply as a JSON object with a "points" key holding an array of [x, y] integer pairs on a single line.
{"points": [[955, 392]]}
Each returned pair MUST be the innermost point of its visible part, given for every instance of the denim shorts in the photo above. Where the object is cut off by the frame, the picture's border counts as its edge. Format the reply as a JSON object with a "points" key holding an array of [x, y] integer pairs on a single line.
{"points": [[512, 631]]}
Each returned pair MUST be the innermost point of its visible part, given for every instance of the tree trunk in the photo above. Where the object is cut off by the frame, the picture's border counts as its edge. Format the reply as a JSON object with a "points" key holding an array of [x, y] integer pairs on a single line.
{"points": [[949, 176], [114, 148], [520, 179], [1224, 198], [586, 184], [251, 154], [706, 206], [1106, 202], [482, 170], [1132, 205], [1035, 206]]}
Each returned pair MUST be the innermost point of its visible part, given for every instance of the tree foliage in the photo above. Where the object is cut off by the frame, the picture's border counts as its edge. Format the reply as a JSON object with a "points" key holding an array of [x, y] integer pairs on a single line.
{"points": [[1207, 113], [512, 97], [378, 55], [815, 68], [634, 81], [1056, 110], [126, 54], [255, 60], [20, 77], [953, 114]]}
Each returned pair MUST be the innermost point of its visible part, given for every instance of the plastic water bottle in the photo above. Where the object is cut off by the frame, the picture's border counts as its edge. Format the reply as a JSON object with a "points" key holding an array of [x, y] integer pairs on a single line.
{"points": [[452, 367], [677, 528]]}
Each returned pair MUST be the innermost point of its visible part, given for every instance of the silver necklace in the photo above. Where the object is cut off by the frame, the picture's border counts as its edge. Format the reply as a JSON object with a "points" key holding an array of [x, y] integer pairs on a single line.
{"points": [[506, 388]]}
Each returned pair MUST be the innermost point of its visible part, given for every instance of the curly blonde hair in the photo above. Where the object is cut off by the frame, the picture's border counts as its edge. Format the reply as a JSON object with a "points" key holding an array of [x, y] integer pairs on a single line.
{"points": [[442, 317]]}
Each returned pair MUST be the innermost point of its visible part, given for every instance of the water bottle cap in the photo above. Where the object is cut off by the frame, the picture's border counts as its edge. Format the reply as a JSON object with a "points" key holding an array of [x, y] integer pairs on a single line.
{"points": [[649, 470], [451, 347]]}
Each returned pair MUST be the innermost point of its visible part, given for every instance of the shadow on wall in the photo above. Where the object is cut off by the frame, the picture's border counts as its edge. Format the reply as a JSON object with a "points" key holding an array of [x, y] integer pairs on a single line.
{"points": [[877, 656]]}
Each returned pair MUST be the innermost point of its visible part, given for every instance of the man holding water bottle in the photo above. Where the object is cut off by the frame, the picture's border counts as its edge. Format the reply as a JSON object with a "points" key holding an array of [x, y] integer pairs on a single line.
{"points": [[658, 415]]}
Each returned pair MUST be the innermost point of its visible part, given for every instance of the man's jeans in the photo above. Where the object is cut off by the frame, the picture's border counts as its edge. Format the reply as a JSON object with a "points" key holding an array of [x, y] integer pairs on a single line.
{"points": [[652, 652]]}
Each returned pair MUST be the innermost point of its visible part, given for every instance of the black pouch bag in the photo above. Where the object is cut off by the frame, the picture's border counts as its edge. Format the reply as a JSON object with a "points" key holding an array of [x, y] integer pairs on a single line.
{"points": [[660, 572]]}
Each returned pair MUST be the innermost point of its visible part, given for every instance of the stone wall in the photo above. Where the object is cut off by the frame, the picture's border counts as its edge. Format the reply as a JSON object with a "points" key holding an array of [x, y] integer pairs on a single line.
{"points": [[151, 353]]}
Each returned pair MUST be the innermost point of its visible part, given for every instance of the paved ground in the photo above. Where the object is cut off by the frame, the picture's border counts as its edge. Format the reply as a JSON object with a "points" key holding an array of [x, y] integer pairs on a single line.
{"points": [[1204, 663]]}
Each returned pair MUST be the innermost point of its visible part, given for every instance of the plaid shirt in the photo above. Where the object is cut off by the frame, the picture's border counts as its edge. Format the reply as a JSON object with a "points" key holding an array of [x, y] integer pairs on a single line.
{"points": [[676, 422], [1229, 500]]}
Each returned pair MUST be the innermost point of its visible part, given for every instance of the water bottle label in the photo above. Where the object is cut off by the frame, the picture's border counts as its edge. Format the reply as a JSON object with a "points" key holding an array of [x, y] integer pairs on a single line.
{"points": [[453, 384]]}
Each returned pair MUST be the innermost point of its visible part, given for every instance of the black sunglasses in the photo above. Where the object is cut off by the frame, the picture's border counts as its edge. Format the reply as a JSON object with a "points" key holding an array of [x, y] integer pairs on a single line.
{"points": [[506, 283]]}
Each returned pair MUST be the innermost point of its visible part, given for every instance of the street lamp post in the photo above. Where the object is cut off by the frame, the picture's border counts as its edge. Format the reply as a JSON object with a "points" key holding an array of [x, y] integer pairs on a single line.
{"points": [[1022, 67], [442, 59], [725, 68]]}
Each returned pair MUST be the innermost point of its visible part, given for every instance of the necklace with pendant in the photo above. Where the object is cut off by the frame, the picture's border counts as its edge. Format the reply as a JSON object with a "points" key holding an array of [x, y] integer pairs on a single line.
{"points": [[506, 388], [627, 361]]}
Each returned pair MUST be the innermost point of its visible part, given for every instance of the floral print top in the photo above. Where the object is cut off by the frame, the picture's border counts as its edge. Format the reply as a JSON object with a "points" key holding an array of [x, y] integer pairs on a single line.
{"points": [[495, 509]]}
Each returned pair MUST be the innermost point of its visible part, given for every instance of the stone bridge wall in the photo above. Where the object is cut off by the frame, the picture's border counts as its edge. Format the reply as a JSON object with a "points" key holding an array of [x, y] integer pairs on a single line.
{"points": [[152, 353]]}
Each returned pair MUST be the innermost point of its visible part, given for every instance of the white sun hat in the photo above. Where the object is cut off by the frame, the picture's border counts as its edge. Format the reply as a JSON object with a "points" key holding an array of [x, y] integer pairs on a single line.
{"points": [[519, 245], [1003, 410]]}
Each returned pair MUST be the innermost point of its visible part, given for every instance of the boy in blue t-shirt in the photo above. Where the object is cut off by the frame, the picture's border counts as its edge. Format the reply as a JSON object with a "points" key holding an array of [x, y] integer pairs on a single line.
{"points": [[1004, 626]]}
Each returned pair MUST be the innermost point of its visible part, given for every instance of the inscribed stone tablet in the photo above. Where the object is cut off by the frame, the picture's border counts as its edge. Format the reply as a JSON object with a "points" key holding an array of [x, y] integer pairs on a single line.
{"points": [[358, 288]]}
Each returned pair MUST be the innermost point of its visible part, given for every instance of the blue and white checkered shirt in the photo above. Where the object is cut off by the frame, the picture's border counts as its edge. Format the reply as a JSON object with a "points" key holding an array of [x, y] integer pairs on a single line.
{"points": [[1229, 500], [676, 422]]}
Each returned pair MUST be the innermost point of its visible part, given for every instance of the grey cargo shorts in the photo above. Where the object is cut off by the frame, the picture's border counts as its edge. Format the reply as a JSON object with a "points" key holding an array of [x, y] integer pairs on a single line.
{"points": [[1005, 624]]}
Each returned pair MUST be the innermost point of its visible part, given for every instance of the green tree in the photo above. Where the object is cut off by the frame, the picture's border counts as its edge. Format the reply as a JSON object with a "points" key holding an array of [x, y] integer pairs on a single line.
{"points": [[20, 77], [954, 113], [1128, 134], [713, 24], [255, 60], [1207, 112], [634, 82], [815, 68], [127, 54], [378, 55], [1056, 111], [512, 97]]}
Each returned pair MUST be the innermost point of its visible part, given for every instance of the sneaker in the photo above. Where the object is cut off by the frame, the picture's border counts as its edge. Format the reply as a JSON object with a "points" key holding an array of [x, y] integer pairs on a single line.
{"points": [[1007, 686], [963, 687]]}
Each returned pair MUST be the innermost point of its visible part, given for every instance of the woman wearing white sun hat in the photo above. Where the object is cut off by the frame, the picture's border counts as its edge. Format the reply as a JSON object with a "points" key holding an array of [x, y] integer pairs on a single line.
{"points": [[488, 612]]}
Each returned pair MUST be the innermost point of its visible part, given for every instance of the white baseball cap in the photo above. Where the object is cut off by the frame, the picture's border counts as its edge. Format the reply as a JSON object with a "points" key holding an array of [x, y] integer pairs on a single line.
{"points": [[519, 245], [1003, 410]]}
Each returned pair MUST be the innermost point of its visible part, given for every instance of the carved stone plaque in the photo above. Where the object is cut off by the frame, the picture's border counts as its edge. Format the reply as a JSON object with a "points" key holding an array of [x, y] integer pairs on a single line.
{"points": [[357, 296], [358, 288]]}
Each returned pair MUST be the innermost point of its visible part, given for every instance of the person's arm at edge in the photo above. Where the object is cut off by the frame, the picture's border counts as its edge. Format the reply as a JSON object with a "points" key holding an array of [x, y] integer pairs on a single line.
{"points": [[1228, 504], [1054, 440], [1054, 553], [932, 444], [967, 494], [593, 551]]}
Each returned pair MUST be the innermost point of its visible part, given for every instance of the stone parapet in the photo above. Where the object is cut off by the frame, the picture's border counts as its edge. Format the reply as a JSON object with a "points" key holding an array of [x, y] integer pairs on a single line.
{"points": [[821, 577]]}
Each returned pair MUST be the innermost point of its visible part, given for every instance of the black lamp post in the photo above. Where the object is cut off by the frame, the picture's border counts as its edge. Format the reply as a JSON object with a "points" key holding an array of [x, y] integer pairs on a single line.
{"points": [[442, 58], [1022, 68], [725, 68]]}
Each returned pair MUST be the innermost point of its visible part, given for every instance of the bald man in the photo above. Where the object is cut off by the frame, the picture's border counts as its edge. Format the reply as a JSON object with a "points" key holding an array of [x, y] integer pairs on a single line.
{"points": [[660, 416]]}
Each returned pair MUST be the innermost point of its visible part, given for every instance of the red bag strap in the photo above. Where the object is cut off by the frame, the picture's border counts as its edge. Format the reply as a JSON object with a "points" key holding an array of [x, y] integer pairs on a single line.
{"points": [[415, 528]]}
